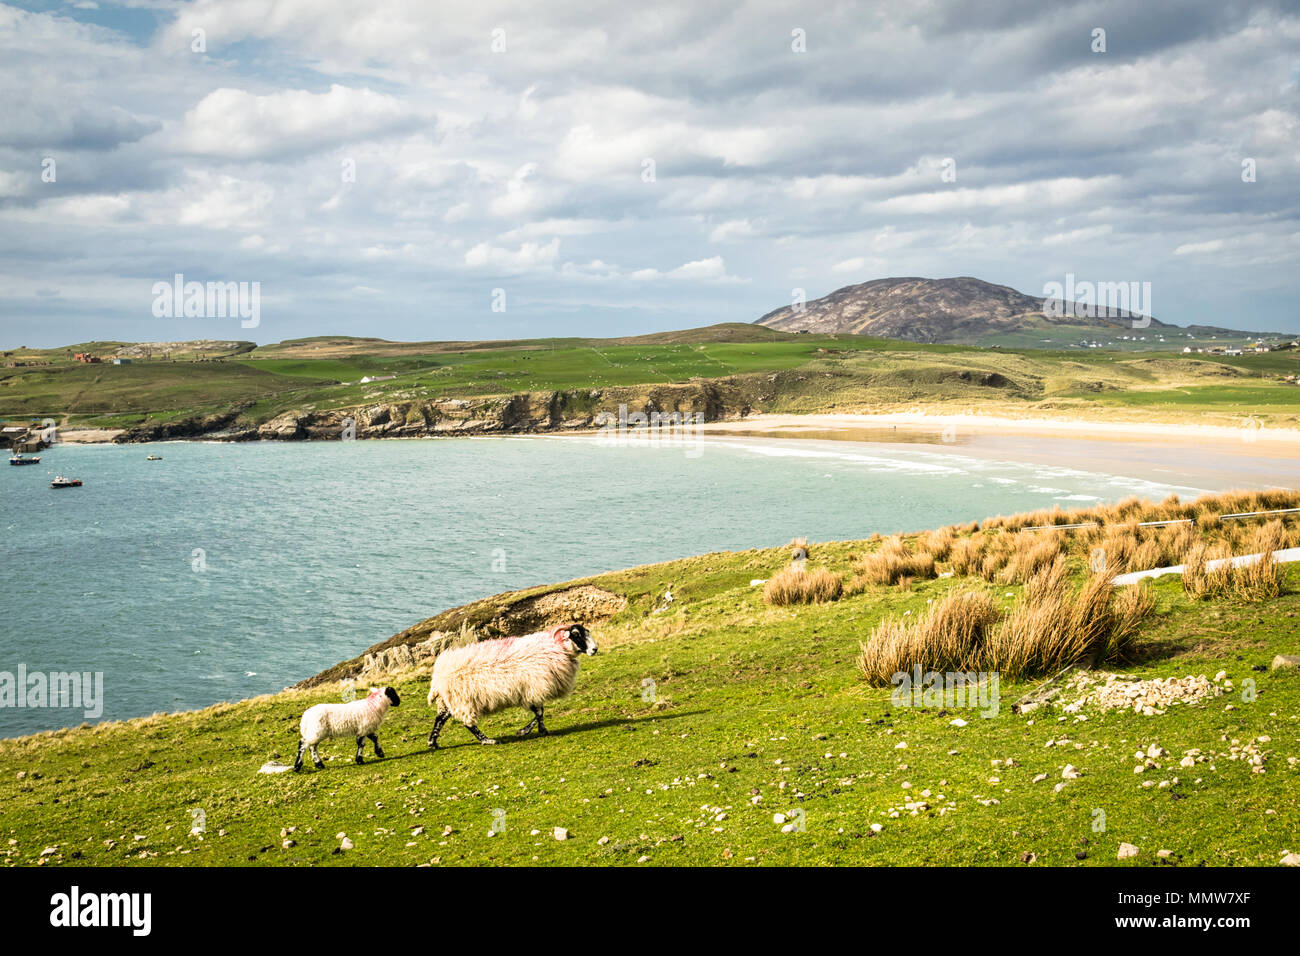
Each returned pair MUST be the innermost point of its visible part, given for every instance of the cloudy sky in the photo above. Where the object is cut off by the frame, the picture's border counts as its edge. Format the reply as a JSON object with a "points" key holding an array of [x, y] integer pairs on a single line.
{"points": [[380, 168]]}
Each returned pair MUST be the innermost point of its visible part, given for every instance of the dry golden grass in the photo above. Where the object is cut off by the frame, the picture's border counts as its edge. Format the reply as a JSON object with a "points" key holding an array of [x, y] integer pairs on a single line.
{"points": [[892, 564], [1199, 581], [1050, 627], [1031, 552], [948, 637], [796, 586]]}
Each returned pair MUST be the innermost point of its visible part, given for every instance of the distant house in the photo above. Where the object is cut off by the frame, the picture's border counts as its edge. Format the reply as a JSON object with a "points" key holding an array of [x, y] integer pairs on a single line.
{"points": [[87, 358], [121, 361], [1232, 351], [376, 378]]}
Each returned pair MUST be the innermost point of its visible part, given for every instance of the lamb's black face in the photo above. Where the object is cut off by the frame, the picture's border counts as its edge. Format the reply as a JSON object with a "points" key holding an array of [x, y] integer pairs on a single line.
{"points": [[392, 695], [581, 639]]}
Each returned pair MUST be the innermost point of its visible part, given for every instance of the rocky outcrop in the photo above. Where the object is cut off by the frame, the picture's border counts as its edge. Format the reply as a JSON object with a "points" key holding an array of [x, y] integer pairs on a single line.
{"points": [[512, 613], [520, 413], [221, 423]]}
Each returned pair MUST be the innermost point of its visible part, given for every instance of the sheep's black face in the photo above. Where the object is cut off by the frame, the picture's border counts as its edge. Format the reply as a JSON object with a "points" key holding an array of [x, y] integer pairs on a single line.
{"points": [[392, 695], [581, 639]]}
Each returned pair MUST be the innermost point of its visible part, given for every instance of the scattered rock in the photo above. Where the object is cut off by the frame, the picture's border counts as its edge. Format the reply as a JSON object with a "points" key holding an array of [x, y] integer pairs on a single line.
{"points": [[561, 833], [1127, 851], [1286, 660]]}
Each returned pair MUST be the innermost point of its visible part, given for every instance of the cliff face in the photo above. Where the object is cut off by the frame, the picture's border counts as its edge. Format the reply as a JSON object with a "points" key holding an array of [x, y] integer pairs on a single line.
{"points": [[520, 413]]}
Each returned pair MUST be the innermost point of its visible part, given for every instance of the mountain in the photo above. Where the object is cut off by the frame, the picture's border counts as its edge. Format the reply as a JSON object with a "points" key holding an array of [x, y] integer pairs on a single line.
{"points": [[963, 310]]}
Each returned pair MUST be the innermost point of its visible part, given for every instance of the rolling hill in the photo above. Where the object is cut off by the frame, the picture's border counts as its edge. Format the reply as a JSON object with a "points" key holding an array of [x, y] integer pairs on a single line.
{"points": [[965, 311]]}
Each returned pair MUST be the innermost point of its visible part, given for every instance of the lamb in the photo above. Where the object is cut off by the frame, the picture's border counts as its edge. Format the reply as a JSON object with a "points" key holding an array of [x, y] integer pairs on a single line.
{"points": [[356, 718], [471, 682]]}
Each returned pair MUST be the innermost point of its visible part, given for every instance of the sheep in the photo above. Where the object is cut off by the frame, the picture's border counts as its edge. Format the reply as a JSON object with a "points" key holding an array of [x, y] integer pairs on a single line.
{"points": [[479, 679], [356, 718]]}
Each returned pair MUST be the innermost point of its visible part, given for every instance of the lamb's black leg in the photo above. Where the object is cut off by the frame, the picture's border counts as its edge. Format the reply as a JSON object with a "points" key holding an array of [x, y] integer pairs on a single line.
{"points": [[297, 764], [541, 727], [443, 715], [379, 751], [537, 719], [361, 742], [483, 739], [315, 758]]}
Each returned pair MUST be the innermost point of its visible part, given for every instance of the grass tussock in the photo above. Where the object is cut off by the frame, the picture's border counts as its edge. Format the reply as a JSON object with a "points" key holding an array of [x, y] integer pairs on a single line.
{"points": [[892, 564], [798, 586], [950, 636], [1050, 627]]}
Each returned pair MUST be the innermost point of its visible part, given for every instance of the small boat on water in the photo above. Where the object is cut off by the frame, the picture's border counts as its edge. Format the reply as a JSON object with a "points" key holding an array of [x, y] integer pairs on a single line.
{"points": [[154, 458], [61, 482], [18, 459]]}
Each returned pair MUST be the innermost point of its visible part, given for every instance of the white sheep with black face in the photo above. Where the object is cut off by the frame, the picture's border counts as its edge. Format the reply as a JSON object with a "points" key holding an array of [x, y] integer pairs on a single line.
{"points": [[356, 718], [480, 679]]}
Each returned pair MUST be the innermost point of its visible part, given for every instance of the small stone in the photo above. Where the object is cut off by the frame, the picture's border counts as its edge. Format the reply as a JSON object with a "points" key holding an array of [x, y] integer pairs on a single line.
{"points": [[778, 818], [877, 827], [1028, 857], [49, 851], [1127, 851], [289, 843], [642, 859], [346, 844], [602, 841], [1040, 778], [1164, 854], [1285, 660], [957, 723], [1291, 859], [561, 833]]}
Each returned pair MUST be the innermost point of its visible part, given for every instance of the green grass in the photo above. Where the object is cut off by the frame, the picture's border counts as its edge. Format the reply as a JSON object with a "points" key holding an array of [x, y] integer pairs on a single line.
{"points": [[751, 701], [761, 370]]}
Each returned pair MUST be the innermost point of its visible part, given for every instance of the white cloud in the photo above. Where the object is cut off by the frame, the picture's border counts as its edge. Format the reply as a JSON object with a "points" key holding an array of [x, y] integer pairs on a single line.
{"points": [[237, 124]]}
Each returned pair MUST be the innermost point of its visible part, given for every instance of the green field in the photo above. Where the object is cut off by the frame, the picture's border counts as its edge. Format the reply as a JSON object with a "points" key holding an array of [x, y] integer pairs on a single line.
{"points": [[764, 370], [754, 710]]}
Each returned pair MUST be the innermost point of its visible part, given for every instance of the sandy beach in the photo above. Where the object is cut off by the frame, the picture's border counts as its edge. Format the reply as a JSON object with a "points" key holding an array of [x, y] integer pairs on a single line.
{"points": [[1259, 440], [1205, 457]]}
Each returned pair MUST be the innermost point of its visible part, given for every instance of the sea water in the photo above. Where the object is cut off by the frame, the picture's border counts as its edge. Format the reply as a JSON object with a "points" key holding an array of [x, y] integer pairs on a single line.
{"points": [[229, 570]]}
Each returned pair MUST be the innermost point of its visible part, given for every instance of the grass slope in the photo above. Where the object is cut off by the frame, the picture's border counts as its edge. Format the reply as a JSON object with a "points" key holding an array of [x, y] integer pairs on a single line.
{"points": [[756, 710], [765, 370]]}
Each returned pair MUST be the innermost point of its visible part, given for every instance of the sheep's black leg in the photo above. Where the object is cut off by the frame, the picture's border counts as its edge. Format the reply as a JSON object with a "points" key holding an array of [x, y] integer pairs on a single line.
{"points": [[297, 764], [379, 751], [361, 742], [443, 715], [537, 719], [483, 739], [315, 758]]}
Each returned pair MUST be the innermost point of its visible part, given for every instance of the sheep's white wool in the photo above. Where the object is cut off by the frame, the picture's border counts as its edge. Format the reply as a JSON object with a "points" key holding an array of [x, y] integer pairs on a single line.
{"points": [[489, 676], [356, 718]]}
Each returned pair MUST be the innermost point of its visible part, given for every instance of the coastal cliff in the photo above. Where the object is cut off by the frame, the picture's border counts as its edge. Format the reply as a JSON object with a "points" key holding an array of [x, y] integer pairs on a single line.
{"points": [[524, 412]]}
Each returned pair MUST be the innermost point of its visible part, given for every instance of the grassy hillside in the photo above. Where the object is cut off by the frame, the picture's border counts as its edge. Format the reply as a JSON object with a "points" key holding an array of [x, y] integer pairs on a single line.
{"points": [[702, 718], [763, 370]]}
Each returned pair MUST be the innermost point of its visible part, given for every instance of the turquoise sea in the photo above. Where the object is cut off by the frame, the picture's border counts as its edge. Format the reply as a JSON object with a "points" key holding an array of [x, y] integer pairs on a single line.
{"points": [[229, 570]]}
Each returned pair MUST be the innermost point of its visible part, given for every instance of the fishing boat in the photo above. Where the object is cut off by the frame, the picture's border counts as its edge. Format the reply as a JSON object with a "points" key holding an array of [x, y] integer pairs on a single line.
{"points": [[154, 458], [18, 459], [61, 482]]}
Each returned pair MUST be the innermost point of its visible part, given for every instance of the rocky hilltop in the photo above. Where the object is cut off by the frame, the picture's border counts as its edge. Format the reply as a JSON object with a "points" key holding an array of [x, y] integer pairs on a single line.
{"points": [[955, 311]]}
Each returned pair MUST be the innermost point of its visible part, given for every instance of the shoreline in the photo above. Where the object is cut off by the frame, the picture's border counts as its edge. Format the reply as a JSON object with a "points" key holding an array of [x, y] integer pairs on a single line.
{"points": [[1286, 440]]}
